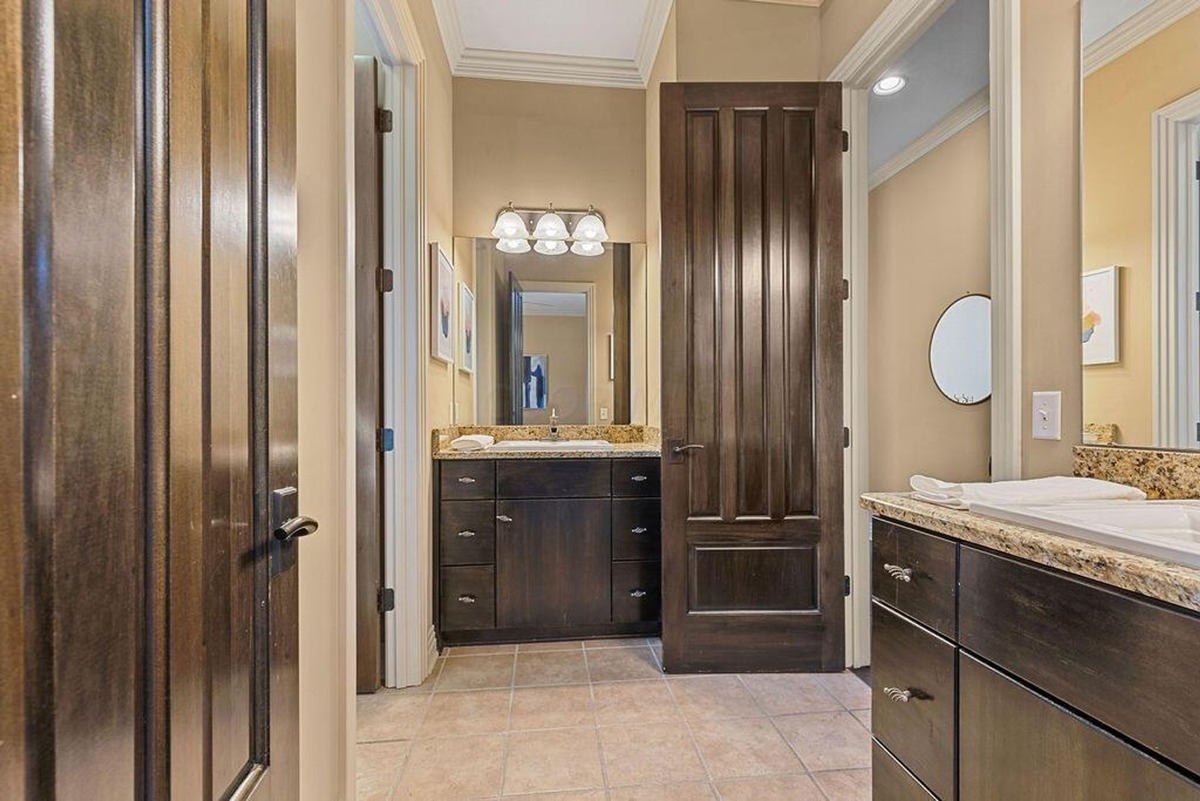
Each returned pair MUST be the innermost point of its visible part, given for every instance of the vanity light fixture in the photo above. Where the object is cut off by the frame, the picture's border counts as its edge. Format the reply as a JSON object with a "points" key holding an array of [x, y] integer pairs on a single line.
{"points": [[550, 247], [550, 226], [510, 225], [556, 232], [581, 248], [591, 228], [513, 246], [889, 85]]}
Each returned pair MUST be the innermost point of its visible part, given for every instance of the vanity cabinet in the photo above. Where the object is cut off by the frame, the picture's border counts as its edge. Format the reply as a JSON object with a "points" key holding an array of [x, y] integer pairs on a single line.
{"points": [[530, 549], [994, 678]]}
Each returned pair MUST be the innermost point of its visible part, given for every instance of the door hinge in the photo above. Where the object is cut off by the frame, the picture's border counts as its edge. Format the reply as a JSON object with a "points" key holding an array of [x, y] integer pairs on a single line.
{"points": [[1198, 432], [383, 120], [385, 440], [387, 599], [1198, 170], [845, 436], [845, 141], [845, 289], [1198, 301], [846, 586], [385, 279]]}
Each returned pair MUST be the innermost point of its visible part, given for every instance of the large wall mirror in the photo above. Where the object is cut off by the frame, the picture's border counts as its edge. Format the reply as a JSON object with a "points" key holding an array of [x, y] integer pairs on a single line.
{"points": [[1140, 277], [562, 334]]}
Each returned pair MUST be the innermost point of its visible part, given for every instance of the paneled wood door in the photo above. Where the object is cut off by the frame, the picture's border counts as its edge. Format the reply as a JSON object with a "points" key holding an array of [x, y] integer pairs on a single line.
{"points": [[752, 377], [148, 578]]}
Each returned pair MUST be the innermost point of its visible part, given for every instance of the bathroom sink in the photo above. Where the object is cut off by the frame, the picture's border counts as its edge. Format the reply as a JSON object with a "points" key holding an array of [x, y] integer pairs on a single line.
{"points": [[1168, 530], [552, 445]]}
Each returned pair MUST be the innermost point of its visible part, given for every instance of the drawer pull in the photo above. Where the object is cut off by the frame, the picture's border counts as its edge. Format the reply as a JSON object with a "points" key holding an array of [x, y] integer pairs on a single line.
{"points": [[639, 479], [466, 533], [899, 573], [504, 518], [897, 694], [466, 480], [466, 599], [637, 593], [638, 530]]}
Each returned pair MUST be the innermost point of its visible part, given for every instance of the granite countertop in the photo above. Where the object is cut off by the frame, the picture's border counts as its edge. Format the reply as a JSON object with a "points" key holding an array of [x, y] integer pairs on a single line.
{"points": [[620, 450], [629, 442], [1174, 584]]}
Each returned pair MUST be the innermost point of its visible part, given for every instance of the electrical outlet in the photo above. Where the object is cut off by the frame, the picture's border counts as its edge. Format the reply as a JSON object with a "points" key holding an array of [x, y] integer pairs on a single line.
{"points": [[1047, 415], [603, 412]]}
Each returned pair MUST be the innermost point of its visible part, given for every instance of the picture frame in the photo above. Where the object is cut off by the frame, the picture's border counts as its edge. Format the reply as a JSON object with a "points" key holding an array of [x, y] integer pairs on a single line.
{"points": [[441, 313], [1101, 322], [468, 345]]}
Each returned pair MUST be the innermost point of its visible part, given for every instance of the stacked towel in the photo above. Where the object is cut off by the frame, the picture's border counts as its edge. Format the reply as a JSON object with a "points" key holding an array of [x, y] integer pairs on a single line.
{"points": [[1055, 489], [472, 442]]}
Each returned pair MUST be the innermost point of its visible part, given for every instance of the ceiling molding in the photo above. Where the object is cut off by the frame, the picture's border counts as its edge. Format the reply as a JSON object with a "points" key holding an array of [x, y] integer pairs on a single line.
{"points": [[899, 25], [1151, 20], [802, 3], [471, 62], [966, 113]]}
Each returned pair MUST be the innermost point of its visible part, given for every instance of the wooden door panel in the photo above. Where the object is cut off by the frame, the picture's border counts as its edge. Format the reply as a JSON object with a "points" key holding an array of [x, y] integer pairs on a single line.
{"points": [[743, 579]]}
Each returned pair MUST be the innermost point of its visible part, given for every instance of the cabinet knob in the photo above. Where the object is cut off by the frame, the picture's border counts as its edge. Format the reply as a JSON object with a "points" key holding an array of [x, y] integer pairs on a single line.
{"points": [[899, 573], [504, 518], [639, 479], [466, 599], [639, 530], [466, 480], [637, 593], [466, 533], [897, 694]]}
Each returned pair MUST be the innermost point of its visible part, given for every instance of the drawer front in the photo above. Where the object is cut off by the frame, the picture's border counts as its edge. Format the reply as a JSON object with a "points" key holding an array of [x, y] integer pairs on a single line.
{"points": [[462, 481], [1113, 657], [467, 533], [468, 598], [636, 478], [636, 592], [890, 781], [636, 529], [915, 572], [553, 478], [912, 698]]}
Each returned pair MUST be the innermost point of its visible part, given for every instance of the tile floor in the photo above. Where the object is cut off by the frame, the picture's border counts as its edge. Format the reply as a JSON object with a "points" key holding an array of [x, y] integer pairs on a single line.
{"points": [[601, 721]]}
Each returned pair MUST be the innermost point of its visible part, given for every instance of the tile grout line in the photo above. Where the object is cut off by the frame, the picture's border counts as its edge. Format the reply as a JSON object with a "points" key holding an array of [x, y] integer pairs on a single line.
{"points": [[687, 724], [512, 684], [412, 743], [587, 669]]}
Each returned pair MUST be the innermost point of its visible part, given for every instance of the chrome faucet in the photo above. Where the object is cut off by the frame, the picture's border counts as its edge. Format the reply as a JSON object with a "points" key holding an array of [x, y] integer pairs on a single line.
{"points": [[553, 435]]}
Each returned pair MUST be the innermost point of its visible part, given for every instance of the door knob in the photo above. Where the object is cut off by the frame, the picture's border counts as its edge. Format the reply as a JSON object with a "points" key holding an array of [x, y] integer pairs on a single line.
{"points": [[677, 449], [691, 446], [296, 527]]}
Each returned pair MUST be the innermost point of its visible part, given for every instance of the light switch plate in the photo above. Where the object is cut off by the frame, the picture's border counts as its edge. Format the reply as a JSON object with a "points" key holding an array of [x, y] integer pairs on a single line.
{"points": [[603, 412], [1047, 415]]}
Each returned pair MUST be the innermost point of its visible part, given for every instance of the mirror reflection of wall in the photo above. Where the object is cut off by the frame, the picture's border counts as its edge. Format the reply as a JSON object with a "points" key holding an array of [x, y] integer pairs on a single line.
{"points": [[1141, 224], [960, 350]]}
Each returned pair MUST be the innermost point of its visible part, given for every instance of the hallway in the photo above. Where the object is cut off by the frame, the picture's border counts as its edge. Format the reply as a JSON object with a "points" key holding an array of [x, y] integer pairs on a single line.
{"points": [[565, 721]]}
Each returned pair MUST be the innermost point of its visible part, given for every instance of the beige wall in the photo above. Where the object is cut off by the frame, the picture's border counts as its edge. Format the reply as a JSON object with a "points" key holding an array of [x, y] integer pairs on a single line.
{"points": [[534, 143], [929, 246], [564, 341], [719, 40], [1117, 215], [843, 22], [464, 383], [665, 70]]}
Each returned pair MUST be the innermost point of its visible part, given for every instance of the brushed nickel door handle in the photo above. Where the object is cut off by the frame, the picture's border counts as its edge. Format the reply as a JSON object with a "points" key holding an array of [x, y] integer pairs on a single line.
{"points": [[899, 573], [691, 446]]}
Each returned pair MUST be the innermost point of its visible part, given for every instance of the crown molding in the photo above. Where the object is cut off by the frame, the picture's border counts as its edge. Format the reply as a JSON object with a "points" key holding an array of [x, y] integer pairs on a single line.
{"points": [[650, 41], [895, 29], [801, 3], [1151, 20], [963, 115]]}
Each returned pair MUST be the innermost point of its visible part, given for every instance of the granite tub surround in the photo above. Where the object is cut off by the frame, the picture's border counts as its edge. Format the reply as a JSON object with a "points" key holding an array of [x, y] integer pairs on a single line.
{"points": [[1162, 581], [1161, 474], [628, 441]]}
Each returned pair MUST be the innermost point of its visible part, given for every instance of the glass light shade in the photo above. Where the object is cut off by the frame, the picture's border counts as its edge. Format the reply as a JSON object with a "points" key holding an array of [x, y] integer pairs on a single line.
{"points": [[551, 247], [510, 225], [580, 248], [512, 246], [591, 229], [550, 226]]}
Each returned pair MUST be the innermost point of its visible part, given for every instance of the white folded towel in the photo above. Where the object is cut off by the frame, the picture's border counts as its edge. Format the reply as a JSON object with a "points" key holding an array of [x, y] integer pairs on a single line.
{"points": [[1054, 489], [472, 442]]}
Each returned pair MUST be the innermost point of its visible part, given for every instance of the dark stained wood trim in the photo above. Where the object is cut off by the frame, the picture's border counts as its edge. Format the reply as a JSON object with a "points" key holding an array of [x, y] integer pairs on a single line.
{"points": [[622, 266], [549, 633]]}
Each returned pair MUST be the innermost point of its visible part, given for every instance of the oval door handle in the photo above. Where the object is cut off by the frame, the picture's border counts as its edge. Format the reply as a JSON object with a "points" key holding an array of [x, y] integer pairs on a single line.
{"points": [[899, 573], [639, 479], [897, 694], [504, 518], [466, 599], [639, 530], [466, 480], [637, 593], [694, 446], [466, 534], [296, 527]]}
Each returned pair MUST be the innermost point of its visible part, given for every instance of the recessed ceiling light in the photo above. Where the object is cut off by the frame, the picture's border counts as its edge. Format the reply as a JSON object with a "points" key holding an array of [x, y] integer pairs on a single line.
{"points": [[889, 85]]}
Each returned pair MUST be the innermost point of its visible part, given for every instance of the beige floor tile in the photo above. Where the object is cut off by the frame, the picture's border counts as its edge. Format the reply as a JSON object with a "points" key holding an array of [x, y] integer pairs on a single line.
{"points": [[480, 650], [791, 788], [713, 698], [684, 791], [617, 642], [658, 754], [572, 795], [551, 708], [376, 767], [790, 693], [453, 767], [551, 667], [845, 785], [658, 657], [390, 715], [851, 691], [543, 761], [827, 740], [536, 647], [476, 673], [743, 747], [863, 716], [634, 703], [622, 664], [461, 713]]}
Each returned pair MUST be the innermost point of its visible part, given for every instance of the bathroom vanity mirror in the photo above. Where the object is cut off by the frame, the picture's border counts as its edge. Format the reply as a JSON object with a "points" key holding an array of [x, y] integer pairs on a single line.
{"points": [[1141, 224], [555, 334], [960, 350]]}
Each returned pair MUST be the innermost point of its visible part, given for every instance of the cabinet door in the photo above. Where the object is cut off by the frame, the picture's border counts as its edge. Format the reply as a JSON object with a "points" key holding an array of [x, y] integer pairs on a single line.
{"points": [[1014, 743], [553, 562]]}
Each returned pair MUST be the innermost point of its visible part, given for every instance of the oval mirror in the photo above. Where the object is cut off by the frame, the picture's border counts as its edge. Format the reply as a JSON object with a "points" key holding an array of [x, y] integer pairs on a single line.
{"points": [[960, 351]]}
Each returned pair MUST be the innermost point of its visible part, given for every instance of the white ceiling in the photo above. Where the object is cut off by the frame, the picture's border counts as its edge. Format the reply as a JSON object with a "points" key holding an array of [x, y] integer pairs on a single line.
{"points": [[1101, 16]]}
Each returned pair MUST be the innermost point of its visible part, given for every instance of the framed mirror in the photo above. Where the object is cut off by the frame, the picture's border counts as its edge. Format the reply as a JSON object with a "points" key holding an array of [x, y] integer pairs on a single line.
{"points": [[960, 350]]}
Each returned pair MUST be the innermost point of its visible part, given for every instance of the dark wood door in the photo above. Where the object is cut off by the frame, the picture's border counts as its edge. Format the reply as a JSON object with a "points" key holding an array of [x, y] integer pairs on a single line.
{"points": [[752, 377], [149, 611], [368, 372]]}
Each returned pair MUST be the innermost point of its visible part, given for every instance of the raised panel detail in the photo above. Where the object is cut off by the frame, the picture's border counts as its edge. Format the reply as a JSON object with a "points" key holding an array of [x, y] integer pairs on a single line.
{"points": [[759, 579]]}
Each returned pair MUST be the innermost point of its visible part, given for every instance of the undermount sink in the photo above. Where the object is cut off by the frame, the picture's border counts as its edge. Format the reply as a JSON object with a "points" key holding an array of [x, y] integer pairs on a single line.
{"points": [[552, 445], [1168, 530]]}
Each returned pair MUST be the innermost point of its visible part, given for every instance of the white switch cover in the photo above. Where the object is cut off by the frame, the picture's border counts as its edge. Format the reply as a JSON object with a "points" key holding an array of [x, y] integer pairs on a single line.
{"points": [[603, 412], [1047, 415]]}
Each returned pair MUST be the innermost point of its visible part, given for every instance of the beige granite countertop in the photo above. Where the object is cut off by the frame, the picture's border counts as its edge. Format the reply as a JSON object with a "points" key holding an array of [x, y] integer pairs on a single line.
{"points": [[620, 450], [629, 442], [1163, 581]]}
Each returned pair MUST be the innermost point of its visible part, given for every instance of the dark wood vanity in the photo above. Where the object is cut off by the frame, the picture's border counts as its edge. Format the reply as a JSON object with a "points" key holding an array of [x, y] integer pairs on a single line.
{"points": [[539, 549], [994, 678]]}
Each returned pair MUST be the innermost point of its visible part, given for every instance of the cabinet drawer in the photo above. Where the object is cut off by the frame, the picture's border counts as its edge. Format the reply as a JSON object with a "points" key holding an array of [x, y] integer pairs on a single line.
{"points": [[915, 573], [468, 480], [912, 697], [890, 781], [1115, 658], [467, 533], [636, 478], [636, 592], [468, 598], [553, 478], [636, 528]]}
